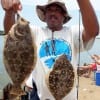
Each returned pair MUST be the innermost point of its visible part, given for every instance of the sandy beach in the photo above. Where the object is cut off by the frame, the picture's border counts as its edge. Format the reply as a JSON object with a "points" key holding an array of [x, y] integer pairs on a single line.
{"points": [[88, 90]]}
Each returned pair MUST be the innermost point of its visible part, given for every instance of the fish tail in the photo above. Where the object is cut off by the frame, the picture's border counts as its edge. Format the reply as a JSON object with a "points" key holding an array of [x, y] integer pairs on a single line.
{"points": [[17, 90]]}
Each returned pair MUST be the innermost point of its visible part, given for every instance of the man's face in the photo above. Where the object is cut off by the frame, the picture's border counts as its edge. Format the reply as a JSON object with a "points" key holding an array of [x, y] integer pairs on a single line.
{"points": [[54, 17]]}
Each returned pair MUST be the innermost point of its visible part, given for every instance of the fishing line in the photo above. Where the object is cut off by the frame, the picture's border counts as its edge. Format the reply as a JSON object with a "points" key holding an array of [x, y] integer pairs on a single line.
{"points": [[89, 53], [90, 56], [2, 33]]}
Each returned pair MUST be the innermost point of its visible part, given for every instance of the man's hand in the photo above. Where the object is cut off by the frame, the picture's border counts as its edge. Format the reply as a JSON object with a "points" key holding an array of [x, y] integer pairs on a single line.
{"points": [[11, 7], [15, 5]]}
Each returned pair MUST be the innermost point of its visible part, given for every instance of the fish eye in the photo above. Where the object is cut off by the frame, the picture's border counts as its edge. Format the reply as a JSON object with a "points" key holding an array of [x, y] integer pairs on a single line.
{"points": [[22, 19]]}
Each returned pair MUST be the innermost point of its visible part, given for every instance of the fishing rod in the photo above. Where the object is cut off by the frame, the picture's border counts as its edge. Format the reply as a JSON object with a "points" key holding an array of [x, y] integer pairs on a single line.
{"points": [[78, 57]]}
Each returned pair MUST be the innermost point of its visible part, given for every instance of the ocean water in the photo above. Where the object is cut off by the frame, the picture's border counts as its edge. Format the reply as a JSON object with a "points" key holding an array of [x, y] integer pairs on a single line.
{"points": [[4, 79], [85, 57]]}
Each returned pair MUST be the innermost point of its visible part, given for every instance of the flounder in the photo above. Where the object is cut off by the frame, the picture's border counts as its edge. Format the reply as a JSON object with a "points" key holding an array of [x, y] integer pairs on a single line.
{"points": [[61, 79], [19, 54]]}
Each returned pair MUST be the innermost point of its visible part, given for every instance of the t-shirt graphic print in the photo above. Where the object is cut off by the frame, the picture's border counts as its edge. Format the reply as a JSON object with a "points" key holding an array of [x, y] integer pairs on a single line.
{"points": [[51, 49]]}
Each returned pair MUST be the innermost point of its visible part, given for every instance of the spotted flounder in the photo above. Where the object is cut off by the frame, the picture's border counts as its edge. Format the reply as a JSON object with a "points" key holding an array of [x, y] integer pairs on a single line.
{"points": [[60, 80], [19, 54]]}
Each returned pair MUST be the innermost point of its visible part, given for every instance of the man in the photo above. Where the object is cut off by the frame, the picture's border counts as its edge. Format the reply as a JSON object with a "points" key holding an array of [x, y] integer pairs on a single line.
{"points": [[55, 39]]}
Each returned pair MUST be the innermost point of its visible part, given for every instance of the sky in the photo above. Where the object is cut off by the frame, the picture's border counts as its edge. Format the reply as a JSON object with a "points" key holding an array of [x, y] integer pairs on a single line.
{"points": [[29, 11]]}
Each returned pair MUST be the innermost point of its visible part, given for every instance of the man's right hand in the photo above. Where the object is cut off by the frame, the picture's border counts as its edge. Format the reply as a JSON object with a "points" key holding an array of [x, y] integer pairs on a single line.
{"points": [[11, 7], [14, 5]]}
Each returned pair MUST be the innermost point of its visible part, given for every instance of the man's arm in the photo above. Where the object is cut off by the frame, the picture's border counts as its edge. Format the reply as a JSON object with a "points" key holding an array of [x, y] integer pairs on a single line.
{"points": [[89, 19], [9, 20], [10, 7]]}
